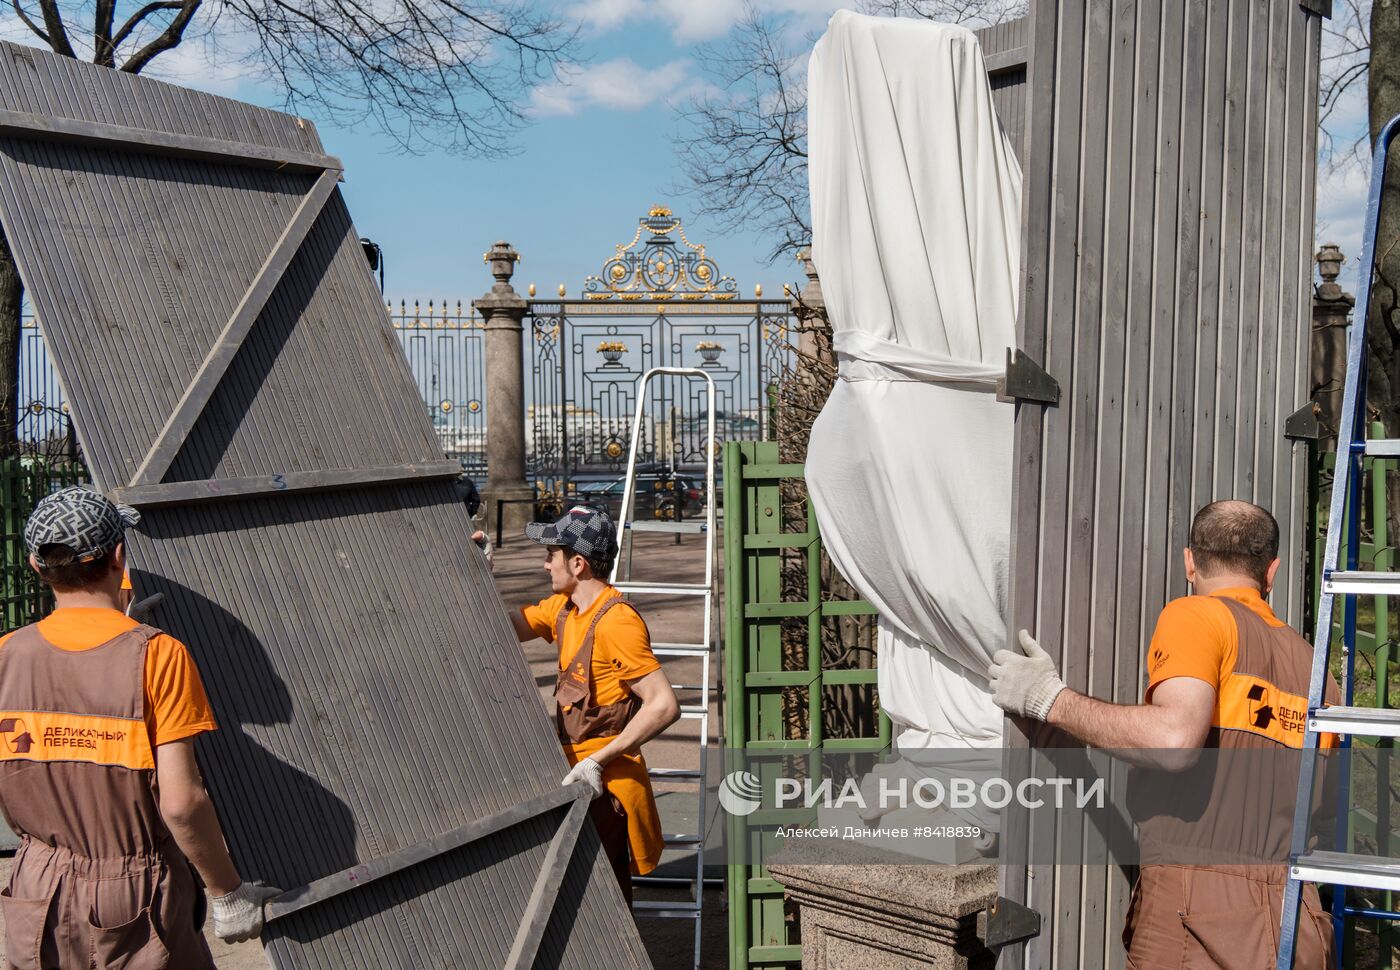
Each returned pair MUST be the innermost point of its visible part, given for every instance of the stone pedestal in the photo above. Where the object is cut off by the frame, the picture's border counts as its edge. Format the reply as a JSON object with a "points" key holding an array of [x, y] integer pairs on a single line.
{"points": [[503, 311], [871, 917]]}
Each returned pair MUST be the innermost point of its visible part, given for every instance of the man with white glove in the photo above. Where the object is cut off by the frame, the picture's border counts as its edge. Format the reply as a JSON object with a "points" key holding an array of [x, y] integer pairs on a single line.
{"points": [[238, 916], [99, 776], [1223, 673], [588, 771], [611, 693]]}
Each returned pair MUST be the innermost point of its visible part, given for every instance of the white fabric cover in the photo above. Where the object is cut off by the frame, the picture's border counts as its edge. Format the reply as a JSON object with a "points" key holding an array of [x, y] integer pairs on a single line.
{"points": [[916, 213]]}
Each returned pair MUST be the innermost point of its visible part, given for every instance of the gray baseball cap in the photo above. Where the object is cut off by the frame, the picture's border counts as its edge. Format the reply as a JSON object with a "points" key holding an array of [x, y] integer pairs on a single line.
{"points": [[587, 531], [85, 521]]}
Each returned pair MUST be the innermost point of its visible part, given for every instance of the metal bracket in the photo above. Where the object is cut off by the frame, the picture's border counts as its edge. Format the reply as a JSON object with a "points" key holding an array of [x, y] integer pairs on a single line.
{"points": [[1026, 381], [1005, 922], [1303, 425]]}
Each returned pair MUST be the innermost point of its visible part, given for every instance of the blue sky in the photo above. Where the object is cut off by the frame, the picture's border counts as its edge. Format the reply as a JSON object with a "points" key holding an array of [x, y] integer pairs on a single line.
{"points": [[599, 152]]}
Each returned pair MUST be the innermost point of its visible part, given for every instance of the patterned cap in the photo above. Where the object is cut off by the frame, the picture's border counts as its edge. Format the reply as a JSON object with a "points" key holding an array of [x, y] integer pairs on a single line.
{"points": [[586, 531], [85, 521]]}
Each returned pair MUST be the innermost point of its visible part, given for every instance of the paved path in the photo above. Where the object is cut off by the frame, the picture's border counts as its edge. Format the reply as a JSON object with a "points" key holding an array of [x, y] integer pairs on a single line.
{"points": [[520, 578]]}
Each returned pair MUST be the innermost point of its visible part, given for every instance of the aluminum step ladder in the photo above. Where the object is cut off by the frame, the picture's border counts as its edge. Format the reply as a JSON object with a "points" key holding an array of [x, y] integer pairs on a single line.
{"points": [[703, 649], [1342, 868]]}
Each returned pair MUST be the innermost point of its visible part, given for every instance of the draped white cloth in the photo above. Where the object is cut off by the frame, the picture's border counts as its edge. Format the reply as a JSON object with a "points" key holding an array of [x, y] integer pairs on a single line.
{"points": [[916, 216]]}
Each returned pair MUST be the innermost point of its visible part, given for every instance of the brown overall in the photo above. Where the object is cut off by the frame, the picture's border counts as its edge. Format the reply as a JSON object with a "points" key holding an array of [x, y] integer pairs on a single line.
{"points": [[1188, 915], [577, 720], [98, 882]]}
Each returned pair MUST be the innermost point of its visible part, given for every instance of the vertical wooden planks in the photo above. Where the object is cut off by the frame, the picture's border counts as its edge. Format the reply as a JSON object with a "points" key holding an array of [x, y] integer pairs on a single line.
{"points": [[1167, 213]]}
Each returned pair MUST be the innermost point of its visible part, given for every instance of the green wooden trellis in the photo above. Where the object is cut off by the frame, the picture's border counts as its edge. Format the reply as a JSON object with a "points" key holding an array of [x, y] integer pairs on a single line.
{"points": [[757, 674], [23, 482], [1376, 552]]}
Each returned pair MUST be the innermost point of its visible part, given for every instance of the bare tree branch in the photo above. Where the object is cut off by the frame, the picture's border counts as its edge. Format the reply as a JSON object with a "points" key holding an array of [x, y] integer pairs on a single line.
{"points": [[979, 13], [29, 23], [136, 19], [102, 47], [167, 40], [743, 147], [53, 26]]}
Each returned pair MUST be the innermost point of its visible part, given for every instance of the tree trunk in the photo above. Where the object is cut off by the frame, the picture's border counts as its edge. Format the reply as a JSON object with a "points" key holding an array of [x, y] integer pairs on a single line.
{"points": [[11, 294], [1383, 322]]}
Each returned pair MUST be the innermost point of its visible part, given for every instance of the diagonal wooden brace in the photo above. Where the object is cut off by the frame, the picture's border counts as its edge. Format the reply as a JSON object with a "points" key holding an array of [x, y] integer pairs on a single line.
{"points": [[327, 887], [216, 363], [541, 904]]}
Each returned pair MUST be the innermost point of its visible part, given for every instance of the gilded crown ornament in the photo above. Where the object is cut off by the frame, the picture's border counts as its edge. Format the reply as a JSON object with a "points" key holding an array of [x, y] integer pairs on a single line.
{"points": [[660, 263]]}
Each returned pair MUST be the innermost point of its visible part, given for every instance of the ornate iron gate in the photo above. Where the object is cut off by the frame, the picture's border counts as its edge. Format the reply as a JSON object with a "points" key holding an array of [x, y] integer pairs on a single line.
{"points": [[658, 301], [446, 352]]}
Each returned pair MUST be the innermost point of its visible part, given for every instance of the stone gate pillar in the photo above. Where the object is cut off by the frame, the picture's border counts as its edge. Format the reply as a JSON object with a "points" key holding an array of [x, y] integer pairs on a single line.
{"points": [[809, 305], [503, 311], [1331, 311]]}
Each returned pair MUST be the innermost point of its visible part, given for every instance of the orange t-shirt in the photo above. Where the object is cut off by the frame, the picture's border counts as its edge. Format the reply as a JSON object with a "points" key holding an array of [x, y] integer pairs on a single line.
{"points": [[1196, 636], [621, 652], [621, 644], [176, 704]]}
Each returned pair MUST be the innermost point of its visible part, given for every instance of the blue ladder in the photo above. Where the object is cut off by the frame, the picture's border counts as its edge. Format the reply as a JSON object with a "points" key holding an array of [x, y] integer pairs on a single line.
{"points": [[1341, 868]]}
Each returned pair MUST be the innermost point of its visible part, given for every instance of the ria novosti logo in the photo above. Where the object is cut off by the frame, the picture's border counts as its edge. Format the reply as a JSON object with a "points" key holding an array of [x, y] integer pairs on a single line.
{"points": [[740, 793]]}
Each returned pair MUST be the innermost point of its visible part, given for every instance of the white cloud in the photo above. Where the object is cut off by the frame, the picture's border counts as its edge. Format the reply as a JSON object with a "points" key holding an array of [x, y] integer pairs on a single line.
{"points": [[203, 61], [620, 85], [694, 22], [1341, 212]]}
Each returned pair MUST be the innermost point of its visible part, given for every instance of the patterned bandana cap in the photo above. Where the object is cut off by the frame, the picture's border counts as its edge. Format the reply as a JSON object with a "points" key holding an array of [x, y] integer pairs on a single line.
{"points": [[586, 531], [85, 521]]}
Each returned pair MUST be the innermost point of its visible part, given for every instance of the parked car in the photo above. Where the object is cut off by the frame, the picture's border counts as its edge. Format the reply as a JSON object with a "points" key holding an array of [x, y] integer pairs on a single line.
{"points": [[659, 494]]}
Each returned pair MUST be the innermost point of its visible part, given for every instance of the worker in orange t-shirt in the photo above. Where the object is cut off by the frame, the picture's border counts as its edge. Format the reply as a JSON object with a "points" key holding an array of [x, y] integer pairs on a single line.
{"points": [[611, 694], [1227, 676], [98, 776]]}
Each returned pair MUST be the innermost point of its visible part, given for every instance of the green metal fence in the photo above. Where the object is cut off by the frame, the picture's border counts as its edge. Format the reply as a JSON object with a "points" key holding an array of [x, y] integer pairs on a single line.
{"points": [[781, 687], [23, 481], [1378, 654]]}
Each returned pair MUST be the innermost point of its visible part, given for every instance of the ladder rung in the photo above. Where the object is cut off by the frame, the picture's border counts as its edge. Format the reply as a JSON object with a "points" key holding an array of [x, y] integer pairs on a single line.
{"points": [[689, 688], [662, 525], [1388, 914], [683, 839], [662, 910], [679, 649], [1383, 448], [1364, 583], [675, 773], [694, 710], [672, 589], [1345, 869], [1366, 721]]}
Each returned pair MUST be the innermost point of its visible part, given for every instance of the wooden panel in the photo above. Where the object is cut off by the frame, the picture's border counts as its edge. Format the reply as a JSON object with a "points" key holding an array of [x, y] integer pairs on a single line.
{"points": [[1167, 213], [1006, 51]]}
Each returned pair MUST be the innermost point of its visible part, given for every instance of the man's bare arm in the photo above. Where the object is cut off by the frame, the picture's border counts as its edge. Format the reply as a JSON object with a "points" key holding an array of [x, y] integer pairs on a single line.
{"points": [[659, 710], [523, 631], [189, 813], [1178, 718]]}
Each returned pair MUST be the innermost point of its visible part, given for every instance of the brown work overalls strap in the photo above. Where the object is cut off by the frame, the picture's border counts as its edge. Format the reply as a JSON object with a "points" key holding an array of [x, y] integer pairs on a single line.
{"points": [[575, 716], [98, 881], [1215, 838]]}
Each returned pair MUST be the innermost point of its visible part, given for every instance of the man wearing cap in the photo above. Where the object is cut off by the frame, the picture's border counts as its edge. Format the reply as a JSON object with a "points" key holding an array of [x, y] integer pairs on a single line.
{"points": [[98, 776], [611, 694]]}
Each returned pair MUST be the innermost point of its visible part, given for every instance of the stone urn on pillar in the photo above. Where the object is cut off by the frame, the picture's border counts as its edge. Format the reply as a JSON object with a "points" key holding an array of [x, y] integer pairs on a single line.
{"points": [[1331, 312], [502, 309]]}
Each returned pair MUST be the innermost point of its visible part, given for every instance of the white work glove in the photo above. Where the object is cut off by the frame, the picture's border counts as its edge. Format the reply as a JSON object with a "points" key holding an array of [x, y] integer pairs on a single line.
{"points": [[588, 771], [483, 541], [238, 916], [1025, 683]]}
